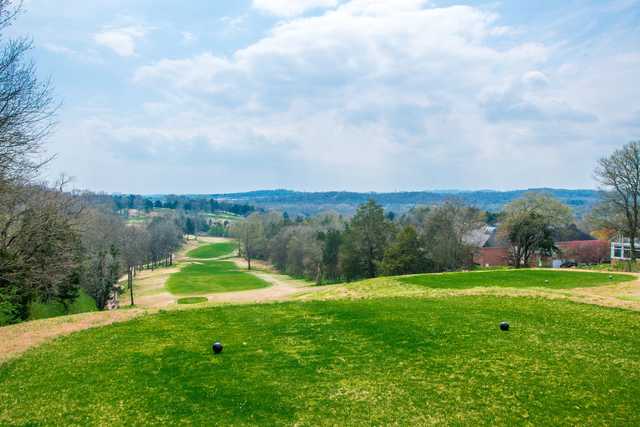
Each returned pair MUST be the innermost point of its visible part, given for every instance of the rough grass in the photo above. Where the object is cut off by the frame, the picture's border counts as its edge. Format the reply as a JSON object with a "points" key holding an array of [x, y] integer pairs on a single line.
{"points": [[192, 300], [207, 277], [83, 304], [213, 250], [516, 279], [368, 362]]}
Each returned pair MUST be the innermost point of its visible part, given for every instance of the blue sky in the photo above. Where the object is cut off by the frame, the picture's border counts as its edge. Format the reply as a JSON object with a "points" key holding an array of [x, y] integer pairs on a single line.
{"points": [[204, 97]]}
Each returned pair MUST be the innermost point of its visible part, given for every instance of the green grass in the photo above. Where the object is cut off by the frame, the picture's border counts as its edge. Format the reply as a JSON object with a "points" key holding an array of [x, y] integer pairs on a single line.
{"points": [[83, 304], [390, 361], [207, 277], [224, 215], [516, 279], [621, 266], [214, 250], [192, 300]]}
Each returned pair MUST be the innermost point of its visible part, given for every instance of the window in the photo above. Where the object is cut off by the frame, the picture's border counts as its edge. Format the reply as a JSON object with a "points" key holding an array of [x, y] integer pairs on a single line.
{"points": [[617, 251]]}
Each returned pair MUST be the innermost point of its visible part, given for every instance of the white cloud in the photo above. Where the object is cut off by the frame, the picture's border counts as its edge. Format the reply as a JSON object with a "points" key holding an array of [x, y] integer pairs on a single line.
{"points": [[290, 8], [382, 95], [121, 40], [188, 37], [364, 80], [233, 24], [56, 48], [199, 73], [404, 49], [535, 79], [85, 56]]}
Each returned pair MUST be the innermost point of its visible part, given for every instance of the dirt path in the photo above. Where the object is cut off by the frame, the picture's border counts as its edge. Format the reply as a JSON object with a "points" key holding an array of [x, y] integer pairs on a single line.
{"points": [[282, 287]]}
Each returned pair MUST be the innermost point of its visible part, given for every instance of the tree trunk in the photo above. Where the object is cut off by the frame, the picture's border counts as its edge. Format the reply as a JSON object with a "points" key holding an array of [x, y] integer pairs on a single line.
{"points": [[370, 267], [130, 282]]}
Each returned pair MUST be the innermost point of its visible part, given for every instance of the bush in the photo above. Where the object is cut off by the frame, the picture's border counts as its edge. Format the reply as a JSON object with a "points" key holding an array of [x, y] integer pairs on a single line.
{"points": [[8, 310]]}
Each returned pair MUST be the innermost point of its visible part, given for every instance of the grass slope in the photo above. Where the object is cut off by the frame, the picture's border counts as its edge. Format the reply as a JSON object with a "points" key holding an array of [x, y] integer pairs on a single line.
{"points": [[350, 362], [516, 279], [207, 277], [192, 300], [213, 250], [83, 304]]}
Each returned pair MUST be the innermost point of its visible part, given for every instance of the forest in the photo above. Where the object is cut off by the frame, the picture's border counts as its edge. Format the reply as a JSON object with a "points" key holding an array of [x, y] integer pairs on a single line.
{"points": [[174, 202]]}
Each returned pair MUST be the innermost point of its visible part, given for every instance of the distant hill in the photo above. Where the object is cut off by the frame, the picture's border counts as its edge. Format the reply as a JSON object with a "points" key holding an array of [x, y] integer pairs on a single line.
{"points": [[306, 203]]}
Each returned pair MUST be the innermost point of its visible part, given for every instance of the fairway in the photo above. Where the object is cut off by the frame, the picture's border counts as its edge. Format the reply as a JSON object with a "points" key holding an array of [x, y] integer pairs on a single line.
{"points": [[213, 250], [208, 277], [516, 279], [381, 361], [192, 300]]}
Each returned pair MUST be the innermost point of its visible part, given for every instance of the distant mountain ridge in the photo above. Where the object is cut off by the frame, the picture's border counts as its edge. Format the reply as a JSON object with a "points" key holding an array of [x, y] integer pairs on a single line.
{"points": [[345, 202]]}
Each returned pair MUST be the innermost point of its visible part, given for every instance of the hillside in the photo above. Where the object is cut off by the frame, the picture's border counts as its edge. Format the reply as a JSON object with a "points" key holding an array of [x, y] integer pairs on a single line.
{"points": [[297, 202]]}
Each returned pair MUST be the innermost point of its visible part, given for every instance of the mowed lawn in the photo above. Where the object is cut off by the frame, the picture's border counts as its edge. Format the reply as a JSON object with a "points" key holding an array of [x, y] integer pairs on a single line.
{"points": [[208, 277], [516, 279], [213, 250], [83, 304], [406, 361]]}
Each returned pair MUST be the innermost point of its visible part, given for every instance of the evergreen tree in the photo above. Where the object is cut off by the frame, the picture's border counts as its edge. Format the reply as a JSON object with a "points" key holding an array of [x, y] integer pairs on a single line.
{"points": [[367, 238], [405, 255], [332, 240]]}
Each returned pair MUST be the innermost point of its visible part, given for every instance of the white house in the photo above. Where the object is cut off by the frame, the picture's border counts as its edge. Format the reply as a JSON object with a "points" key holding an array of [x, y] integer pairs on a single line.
{"points": [[621, 249]]}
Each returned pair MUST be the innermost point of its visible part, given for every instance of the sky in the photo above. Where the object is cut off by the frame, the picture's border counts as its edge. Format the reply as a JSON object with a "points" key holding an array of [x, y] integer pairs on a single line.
{"points": [[204, 96]]}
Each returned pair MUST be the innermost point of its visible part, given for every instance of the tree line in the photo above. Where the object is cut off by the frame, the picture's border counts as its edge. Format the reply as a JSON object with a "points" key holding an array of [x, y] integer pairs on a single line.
{"points": [[182, 203], [329, 247], [53, 245]]}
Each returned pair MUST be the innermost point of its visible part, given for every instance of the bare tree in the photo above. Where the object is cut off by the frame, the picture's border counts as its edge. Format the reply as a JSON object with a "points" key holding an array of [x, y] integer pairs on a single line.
{"points": [[619, 174], [101, 236], [164, 238], [39, 243], [26, 105], [251, 235], [444, 230], [134, 250], [529, 224]]}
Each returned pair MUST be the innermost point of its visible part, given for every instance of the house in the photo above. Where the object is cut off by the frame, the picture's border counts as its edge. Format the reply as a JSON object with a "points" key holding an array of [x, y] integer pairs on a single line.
{"points": [[480, 237], [621, 249], [495, 253], [584, 251], [491, 257]]}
